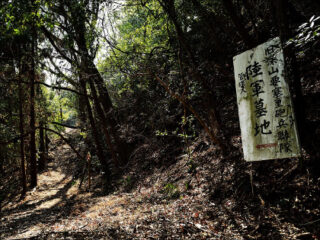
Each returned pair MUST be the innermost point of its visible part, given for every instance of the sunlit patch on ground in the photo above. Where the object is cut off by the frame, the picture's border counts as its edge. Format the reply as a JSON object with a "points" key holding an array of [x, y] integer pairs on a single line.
{"points": [[49, 203], [58, 209]]}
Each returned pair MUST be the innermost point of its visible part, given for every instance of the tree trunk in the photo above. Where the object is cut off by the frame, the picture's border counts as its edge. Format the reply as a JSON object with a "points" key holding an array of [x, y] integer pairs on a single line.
{"points": [[95, 133], [106, 103], [21, 126], [89, 68], [61, 115], [81, 110], [103, 122], [47, 141], [33, 159], [42, 159], [214, 126], [1, 160]]}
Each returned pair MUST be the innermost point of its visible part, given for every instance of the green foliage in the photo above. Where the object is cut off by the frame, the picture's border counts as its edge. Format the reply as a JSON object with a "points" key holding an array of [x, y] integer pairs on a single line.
{"points": [[188, 46], [187, 185], [188, 125], [191, 166], [19, 17], [84, 134], [159, 133], [127, 182], [308, 35], [141, 30], [74, 182], [61, 102], [171, 191]]}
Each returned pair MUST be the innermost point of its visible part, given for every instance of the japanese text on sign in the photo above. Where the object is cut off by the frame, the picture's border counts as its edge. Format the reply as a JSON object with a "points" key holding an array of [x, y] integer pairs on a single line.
{"points": [[268, 128]]}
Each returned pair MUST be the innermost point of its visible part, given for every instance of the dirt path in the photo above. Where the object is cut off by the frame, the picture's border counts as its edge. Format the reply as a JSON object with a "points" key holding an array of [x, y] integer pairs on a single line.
{"points": [[56, 209], [45, 205]]}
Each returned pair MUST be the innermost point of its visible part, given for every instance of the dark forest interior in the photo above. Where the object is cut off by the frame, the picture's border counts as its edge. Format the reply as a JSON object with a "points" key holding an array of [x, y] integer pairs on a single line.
{"points": [[119, 120]]}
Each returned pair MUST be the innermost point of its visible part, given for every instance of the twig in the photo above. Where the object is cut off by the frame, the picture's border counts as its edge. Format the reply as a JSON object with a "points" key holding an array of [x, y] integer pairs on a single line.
{"points": [[251, 179], [65, 125], [308, 223]]}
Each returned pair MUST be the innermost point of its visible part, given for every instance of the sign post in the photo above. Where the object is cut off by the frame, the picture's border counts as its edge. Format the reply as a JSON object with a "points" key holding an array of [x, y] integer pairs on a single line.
{"points": [[268, 126]]}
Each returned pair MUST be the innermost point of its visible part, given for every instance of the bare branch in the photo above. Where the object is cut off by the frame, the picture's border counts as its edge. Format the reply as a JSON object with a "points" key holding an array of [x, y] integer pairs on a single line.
{"points": [[51, 38], [65, 125]]}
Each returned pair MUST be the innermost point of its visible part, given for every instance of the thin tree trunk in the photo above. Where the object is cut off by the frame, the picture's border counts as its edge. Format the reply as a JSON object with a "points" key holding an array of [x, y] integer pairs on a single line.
{"points": [[106, 103], [33, 160], [61, 115], [1, 162], [214, 118], [88, 67], [95, 133], [66, 141], [91, 70], [42, 159], [103, 122], [21, 126], [89, 171], [190, 108], [47, 140], [81, 110]]}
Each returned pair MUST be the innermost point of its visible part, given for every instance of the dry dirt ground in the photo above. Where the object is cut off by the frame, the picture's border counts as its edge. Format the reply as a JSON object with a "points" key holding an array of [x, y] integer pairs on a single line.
{"points": [[57, 209], [193, 198]]}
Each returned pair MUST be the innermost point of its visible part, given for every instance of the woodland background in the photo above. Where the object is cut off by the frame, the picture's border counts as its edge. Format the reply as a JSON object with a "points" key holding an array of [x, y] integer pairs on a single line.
{"points": [[148, 89]]}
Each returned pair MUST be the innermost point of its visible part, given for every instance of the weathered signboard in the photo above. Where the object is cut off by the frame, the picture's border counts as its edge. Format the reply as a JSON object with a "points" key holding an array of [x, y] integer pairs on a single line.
{"points": [[268, 127]]}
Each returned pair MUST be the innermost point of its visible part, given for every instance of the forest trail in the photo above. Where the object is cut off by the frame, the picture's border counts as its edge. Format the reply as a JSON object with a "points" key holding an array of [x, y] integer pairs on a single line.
{"points": [[45, 207], [57, 209]]}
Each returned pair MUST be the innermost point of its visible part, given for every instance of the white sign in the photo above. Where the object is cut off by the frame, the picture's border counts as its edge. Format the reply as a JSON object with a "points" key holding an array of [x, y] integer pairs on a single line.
{"points": [[268, 127]]}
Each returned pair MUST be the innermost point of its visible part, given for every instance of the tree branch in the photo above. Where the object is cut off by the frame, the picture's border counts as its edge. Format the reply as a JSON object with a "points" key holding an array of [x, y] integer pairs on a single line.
{"points": [[65, 125], [61, 88], [190, 108], [51, 37], [66, 141]]}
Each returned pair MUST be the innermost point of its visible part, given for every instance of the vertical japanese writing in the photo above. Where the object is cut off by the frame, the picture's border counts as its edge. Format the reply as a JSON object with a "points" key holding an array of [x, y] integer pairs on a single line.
{"points": [[254, 76], [242, 82], [267, 123], [281, 112]]}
